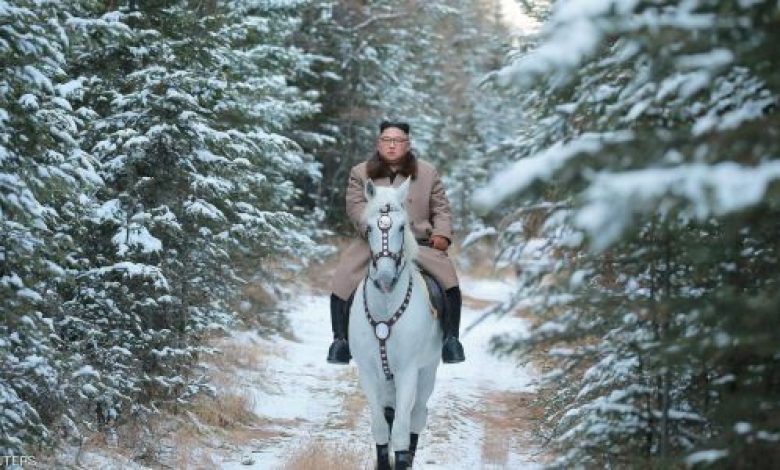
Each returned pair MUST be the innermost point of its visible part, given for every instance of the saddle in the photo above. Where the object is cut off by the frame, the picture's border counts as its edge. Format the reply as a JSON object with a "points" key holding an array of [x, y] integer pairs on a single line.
{"points": [[436, 295]]}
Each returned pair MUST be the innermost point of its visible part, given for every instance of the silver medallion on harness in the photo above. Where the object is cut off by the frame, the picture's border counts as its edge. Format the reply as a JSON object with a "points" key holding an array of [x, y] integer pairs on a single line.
{"points": [[381, 330], [384, 222]]}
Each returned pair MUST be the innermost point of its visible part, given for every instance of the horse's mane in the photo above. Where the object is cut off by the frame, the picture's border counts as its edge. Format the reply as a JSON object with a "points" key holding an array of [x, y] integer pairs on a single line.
{"points": [[383, 197]]}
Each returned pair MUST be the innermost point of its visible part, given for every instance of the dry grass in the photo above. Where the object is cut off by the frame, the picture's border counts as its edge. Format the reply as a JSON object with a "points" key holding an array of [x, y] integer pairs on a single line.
{"points": [[234, 403], [475, 303], [233, 356], [231, 408], [259, 295], [184, 437], [354, 404], [478, 260], [319, 274], [318, 455], [508, 420], [187, 445], [166, 440]]}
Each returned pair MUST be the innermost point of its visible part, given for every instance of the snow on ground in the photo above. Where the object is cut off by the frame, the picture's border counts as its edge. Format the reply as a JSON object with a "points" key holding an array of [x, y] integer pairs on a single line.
{"points": [[307, 398]]}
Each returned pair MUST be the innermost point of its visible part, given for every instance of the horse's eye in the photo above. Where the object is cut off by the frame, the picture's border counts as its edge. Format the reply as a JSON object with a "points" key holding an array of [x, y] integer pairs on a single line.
{"points": [[401, 228]]}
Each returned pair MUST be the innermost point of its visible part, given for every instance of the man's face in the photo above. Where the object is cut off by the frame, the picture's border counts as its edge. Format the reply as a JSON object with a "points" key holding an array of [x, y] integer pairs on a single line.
{"points": [[392, 145]]}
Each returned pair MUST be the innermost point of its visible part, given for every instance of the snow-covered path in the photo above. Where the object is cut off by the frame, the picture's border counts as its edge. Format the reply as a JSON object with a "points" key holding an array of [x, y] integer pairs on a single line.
{"points": [[310, 404]]}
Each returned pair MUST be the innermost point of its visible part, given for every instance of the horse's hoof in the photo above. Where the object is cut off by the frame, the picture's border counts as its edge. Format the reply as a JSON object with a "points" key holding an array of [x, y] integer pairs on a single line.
{"points": [[403, 460], [383, 457], [413, 439]]}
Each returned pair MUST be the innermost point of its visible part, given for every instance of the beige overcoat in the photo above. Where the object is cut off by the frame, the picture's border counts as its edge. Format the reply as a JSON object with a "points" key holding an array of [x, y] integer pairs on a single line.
{"points": [[429, 214]]}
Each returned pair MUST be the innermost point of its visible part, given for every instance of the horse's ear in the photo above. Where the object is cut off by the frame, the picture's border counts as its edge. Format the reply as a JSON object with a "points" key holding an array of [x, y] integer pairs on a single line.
{"points": [[403, 190], [370, 190]]}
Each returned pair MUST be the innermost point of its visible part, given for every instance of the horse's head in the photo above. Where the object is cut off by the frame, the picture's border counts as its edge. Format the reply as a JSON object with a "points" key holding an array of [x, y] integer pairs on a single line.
{"points": [[389, 237]]}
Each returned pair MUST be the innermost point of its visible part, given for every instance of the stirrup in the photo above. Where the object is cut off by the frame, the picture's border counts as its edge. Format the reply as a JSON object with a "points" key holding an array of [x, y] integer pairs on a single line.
{"points": [[338, 353], [452, 351]]}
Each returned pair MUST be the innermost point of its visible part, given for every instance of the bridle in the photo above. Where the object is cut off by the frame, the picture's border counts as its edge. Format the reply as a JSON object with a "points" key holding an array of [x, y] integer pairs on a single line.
{"points": [[384, 223], [382, 329]]}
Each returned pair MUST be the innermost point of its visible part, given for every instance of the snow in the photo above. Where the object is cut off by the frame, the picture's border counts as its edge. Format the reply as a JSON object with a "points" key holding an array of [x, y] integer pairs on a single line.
{"points": [[542, 166], [136, 236], [519, 23], [131, 269], [86, 371], [742, 427], [12, 280], [29, 294], [571, 34], [110, 210], [306, 395], [477, 234], [487, 289], [201, 207], [29, 102], [38, 78], [206, 156], [706, 456], [718, 189], [694, 82], [70, 87], [715, 58], [215, 184], [768, 436]]}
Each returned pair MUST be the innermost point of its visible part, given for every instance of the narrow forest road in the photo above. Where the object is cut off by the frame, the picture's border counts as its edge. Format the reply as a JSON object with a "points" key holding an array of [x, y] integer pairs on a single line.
{"points": [[314, 414]]}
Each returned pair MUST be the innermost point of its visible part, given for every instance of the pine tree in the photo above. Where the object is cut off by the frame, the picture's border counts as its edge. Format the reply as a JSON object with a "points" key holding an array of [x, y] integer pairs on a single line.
{"points": [[150, 163], [189, 107], [651, 181], [42, 171]]}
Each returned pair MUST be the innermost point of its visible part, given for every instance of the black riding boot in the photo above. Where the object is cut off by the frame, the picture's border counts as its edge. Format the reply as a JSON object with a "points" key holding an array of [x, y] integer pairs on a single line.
{"points": [[339, 320], [452, 351]]}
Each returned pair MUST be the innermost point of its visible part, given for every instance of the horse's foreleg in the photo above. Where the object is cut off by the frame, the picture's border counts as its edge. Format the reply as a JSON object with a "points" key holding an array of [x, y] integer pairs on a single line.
{"points": [[375, 395], [379, 427], [425, 382], [419, 418], [405, 393]]}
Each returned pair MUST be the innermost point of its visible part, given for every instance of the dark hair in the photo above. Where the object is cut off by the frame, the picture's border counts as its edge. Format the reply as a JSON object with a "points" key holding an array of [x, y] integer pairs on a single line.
{"points": [[397, 124], [377, 168]]}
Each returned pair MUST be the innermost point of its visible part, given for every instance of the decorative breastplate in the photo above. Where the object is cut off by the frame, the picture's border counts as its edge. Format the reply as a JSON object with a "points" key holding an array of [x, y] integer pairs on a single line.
{"points": [[382, 329]]}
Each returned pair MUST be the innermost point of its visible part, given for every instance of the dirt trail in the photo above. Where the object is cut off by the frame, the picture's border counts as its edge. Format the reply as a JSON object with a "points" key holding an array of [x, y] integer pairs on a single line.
{"points": [[313, 415]]}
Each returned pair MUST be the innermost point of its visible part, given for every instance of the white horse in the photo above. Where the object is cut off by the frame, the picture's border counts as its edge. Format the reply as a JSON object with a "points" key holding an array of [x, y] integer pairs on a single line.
{"points": [[394, 338]]}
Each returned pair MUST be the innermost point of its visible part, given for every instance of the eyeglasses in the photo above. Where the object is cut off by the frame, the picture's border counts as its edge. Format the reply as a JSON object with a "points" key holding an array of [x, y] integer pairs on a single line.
{"points": [[393, 140]]}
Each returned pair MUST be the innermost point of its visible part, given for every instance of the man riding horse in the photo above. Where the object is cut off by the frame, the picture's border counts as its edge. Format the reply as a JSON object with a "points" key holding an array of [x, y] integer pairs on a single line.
{"points": [[430, 220]]}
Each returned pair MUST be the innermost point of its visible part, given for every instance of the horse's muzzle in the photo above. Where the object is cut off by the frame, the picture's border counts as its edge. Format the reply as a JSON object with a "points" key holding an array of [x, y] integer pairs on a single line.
{"points": [[386, 287]]}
